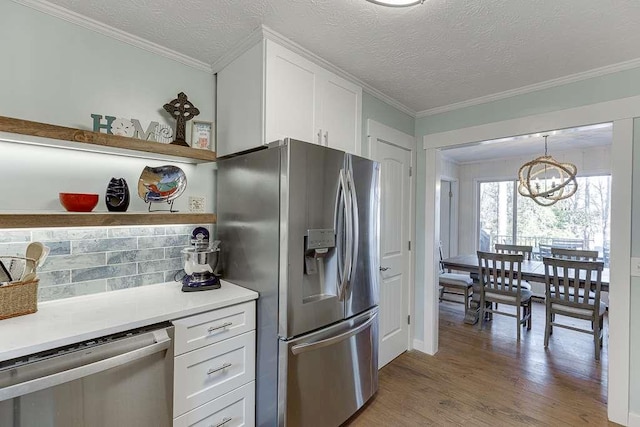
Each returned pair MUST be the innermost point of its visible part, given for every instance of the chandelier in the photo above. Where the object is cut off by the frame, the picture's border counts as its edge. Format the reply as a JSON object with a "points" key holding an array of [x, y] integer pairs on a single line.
{"points": [[546, 181], [397, 3]]}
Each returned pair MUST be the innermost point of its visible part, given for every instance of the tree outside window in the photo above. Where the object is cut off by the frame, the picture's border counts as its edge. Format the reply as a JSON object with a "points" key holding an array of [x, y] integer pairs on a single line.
{"points": [[580, 222]]}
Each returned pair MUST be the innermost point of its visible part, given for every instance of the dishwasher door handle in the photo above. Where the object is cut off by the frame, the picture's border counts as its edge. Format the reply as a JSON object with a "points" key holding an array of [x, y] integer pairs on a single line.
{"points": [[163, 342]]}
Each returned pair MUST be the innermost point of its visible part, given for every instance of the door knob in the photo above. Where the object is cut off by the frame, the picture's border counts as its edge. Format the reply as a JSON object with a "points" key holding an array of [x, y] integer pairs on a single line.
{"points": [[384, 268]]}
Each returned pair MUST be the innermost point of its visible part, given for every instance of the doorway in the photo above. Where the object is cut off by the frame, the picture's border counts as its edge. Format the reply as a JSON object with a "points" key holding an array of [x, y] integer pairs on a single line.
{"points": [[621, 113]]}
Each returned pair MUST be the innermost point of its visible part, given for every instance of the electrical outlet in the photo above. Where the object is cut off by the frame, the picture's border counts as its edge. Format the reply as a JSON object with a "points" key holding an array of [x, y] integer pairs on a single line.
{"points": [[196, 204], [635, 267]]}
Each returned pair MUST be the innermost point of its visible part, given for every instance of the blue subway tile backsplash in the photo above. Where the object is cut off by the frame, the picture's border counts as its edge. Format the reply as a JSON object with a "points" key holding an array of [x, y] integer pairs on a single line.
{"points": [[91, 260]]}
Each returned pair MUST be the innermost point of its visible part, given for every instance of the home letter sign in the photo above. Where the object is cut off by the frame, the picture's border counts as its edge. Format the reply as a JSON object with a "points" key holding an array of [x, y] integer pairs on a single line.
{"points": [[132, 128]]}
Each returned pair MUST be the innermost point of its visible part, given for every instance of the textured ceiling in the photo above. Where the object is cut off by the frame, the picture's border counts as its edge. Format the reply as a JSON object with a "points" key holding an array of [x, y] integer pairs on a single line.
{"points": [[582, 138], [436, 54]]}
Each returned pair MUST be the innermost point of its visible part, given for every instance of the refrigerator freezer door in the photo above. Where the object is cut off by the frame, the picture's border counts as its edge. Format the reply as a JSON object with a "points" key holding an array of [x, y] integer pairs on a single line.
{"points": [[363, 177], [310, 202], [248, 205], [328, 375]]}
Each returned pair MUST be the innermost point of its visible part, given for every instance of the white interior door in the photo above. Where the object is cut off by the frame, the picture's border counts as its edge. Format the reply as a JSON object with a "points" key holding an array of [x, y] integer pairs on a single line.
{"points": [[393, 150]]}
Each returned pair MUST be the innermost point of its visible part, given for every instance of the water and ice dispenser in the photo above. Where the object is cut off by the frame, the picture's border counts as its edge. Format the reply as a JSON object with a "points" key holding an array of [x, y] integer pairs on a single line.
{"points": [[318, 254]]}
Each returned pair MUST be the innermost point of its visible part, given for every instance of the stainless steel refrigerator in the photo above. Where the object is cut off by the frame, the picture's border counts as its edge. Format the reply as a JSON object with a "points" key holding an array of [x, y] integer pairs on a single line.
{"points": [[300, 224]]}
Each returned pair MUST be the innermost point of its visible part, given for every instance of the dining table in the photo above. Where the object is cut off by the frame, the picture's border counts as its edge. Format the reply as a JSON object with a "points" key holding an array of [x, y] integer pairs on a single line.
{"points": [[531, 270]]}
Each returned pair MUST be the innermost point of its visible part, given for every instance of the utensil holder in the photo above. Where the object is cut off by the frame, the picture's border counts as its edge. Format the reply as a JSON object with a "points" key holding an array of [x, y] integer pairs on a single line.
{"points": [[18, 298]]}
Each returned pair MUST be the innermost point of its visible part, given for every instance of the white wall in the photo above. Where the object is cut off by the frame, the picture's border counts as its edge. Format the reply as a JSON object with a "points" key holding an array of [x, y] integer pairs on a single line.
{"points": [[57, 72]]}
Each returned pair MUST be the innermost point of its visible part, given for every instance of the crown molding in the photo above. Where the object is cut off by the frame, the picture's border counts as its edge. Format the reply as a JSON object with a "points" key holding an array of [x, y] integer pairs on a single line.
{"points": [[265, 33], [596, 72], [244, 45], [106, 30], [295, 47]]}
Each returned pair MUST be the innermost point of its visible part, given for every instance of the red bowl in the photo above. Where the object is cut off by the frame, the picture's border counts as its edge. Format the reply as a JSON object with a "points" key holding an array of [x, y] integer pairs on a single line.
{"points": [[77, 202]]}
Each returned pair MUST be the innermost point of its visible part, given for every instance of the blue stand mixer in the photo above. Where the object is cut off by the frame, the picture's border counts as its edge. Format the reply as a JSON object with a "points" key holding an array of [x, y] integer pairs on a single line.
{"points": [[201, 263]]}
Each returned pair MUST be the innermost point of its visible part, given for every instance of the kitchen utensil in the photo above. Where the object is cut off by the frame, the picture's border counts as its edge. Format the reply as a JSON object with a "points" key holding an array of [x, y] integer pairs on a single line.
{"points": [[16, 267], [29, 277], [38, 253], [78, 202], [35, 250], [5, 275]]}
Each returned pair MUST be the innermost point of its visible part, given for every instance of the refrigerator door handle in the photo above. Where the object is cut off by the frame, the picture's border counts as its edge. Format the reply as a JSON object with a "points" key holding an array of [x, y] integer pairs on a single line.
{"points": [[348, 264], [310, 346], [355, 222], [341, 222]]}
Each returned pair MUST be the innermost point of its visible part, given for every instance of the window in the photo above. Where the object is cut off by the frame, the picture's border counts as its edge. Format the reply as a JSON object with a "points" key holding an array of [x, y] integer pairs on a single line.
{"points": [[580, 222]]}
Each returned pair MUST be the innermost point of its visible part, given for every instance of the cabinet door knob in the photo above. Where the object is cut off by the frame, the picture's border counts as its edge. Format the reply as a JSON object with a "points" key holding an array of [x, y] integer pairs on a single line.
{"points": [[385, 268], [326, 138], [319, 136]]}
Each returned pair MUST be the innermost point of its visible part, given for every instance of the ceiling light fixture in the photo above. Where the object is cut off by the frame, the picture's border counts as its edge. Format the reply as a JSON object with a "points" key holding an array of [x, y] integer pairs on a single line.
{"points": [[546, 180], [396, 3]]}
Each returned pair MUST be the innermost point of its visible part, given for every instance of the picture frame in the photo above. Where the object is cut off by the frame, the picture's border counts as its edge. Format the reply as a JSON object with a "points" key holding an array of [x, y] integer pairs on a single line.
{"points": [[202, 135]]}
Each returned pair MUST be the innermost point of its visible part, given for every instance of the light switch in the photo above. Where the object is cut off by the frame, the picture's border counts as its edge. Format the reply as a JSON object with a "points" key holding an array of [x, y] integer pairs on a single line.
{"points": [[635, 266]]}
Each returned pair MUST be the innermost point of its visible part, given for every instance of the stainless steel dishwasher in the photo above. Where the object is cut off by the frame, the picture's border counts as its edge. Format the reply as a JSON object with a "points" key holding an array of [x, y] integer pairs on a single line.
{"points": [[119, 380]]}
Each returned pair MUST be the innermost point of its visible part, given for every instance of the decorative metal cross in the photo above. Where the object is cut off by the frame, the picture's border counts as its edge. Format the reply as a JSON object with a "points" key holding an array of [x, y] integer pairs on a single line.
{"points": [[182, 110]]}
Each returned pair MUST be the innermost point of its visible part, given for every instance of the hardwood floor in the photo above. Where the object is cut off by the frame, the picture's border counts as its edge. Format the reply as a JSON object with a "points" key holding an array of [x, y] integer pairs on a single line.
{"points": [[484, 378]]}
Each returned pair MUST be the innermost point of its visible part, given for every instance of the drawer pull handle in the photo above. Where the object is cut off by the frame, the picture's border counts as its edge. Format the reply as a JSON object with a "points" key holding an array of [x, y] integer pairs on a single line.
{"points": [[215, 328], [213, 371], [223, 422]]}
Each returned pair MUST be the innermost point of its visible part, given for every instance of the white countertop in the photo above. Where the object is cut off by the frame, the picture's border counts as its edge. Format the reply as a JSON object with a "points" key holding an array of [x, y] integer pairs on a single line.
{"points": [[67, 321]]}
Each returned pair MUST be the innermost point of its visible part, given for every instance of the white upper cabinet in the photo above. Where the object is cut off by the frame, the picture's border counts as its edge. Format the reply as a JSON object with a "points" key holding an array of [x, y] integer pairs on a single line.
{"points": [[270, 93], [291, 101], [340, 113]]}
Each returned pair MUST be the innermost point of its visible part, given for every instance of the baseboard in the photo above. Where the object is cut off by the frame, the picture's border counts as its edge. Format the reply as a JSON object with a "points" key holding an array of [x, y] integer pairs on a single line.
{"points": [[634, 420], [418, 345]]}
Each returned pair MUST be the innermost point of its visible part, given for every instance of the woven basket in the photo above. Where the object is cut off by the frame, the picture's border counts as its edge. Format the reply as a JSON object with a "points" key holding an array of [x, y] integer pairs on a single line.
{"points": [[18, 298]]}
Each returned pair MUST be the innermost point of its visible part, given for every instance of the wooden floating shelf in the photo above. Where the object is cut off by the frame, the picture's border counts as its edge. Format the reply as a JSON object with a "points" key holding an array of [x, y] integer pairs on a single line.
{"points": [[65, 137], [98, 219]]}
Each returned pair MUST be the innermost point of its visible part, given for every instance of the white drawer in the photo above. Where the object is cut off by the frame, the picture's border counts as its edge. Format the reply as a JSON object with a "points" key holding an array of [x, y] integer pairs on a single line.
{"points": [[214, 326], [234, 409], [204, 374]]}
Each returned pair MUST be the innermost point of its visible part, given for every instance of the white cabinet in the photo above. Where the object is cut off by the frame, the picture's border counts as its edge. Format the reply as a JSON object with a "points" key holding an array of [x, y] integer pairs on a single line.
{"points": [[209, 328], [214, 368], [270, 93], [234, 409]]}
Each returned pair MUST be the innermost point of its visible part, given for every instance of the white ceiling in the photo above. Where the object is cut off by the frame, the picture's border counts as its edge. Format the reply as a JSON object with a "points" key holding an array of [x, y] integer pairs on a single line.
{"points": [[427, 56], [581, 138]]}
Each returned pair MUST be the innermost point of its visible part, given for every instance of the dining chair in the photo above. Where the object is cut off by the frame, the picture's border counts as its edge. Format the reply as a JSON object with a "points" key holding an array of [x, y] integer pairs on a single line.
{"points": [[543, 251], [574, 254], [564, 278], [577, 255], [501, 282], [515, 249], [454, 283]]}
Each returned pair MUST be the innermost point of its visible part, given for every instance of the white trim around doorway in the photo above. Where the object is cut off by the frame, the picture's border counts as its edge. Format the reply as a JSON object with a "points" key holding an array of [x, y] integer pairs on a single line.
{"points": [[621, 112]]}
